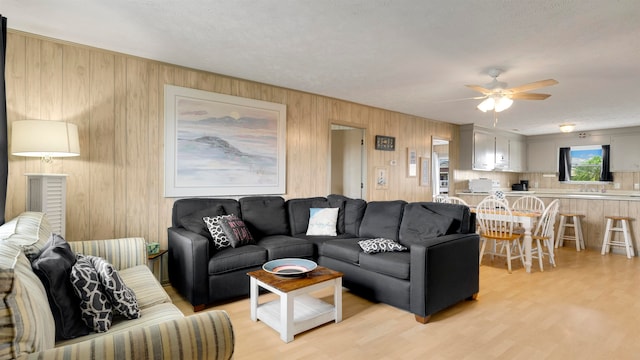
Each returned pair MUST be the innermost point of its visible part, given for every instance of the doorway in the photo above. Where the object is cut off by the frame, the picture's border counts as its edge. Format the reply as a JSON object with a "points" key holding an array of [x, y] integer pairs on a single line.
{"points": [[347, 161], [440, 166]]}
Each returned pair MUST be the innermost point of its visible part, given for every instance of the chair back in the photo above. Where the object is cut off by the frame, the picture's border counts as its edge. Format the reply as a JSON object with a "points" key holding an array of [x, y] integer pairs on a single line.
{"points": [[456, 200], [528, 202], [548, 220], [494, 217], [440, 198]]}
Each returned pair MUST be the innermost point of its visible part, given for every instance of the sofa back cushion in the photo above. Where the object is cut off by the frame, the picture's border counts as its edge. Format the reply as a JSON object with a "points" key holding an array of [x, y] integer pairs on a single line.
{"points": [[382, 219], [30, 230], [298, 211], [265, 215], [26, 322], [184, 207], [426, 220], [353, 210]]}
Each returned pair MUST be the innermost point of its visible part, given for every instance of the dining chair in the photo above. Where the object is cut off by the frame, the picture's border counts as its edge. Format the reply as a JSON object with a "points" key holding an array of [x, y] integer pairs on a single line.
{"points": [[528, 202], [543, 235], [496, 224], [455, 200], [440, 198]]}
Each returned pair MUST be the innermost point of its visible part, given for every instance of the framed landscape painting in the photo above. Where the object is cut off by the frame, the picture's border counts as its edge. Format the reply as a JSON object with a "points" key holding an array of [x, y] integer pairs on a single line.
{"points": [[221, 145]]}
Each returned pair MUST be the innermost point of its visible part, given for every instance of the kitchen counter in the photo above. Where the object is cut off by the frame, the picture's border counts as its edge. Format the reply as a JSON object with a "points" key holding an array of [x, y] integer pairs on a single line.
{"points": [[560, 194]]}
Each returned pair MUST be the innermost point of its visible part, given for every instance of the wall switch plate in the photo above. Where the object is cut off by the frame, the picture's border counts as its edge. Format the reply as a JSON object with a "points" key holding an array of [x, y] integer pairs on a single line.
{"points": [[616, 186], [636, 186]]}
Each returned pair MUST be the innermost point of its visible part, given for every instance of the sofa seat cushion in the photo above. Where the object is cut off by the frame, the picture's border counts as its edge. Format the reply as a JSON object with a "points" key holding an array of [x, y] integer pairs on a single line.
{"points": [[396, 264], [144, 284], [231, 259], [346, 250], [281, 246], [151, 315]]}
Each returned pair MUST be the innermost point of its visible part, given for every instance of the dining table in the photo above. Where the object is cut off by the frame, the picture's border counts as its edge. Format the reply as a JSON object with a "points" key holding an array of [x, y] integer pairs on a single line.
{"points": [[527, 219]]}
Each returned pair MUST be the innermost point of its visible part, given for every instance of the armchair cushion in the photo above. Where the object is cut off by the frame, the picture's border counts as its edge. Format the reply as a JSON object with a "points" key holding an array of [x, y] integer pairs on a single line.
{"points": [[122, 298]]}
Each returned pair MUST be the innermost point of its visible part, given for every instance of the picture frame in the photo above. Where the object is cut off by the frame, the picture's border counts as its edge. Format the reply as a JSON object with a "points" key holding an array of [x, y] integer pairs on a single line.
{"points": [[412, 162], [220, 145], [385, 143], [425, 167], [382, 178]]}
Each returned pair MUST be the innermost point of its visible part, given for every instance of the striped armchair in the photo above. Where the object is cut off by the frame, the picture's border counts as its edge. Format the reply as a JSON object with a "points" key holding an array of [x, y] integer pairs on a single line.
{"points": [[27, 328]]}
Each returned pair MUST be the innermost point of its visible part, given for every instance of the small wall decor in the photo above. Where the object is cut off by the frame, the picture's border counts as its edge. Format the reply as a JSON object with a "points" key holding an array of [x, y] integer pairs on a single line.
{"points": [[386, 143], [220, 145], [412, 162], [382, 178], [424, 171]]}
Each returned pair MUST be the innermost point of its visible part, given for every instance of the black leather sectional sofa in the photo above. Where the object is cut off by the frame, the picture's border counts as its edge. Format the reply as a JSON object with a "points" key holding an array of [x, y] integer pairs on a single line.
{"points": [[439, 270]]}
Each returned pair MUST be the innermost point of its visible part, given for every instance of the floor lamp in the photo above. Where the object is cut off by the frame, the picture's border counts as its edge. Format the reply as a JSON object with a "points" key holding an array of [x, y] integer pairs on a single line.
{"points": [[46, 139]]}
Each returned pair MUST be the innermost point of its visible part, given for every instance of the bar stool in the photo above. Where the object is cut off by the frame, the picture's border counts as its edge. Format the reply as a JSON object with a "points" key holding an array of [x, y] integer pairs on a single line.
{"points": [[609, 235], [577, 230]]}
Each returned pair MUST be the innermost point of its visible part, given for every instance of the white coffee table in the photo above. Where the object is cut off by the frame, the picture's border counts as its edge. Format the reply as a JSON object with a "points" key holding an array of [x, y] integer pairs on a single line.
{"points": [[296, 311]]}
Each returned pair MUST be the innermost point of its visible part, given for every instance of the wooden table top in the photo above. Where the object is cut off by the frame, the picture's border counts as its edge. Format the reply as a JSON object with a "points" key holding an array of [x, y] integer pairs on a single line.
{"points": [[284, 284]]}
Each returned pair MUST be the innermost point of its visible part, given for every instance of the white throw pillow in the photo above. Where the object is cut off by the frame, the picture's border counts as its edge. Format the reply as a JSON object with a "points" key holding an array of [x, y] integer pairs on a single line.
{"points": [[322, 221]]}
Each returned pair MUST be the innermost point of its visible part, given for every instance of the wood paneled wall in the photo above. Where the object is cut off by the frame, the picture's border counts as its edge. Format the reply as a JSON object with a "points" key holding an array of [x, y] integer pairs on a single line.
{"points": [[115, 187]]}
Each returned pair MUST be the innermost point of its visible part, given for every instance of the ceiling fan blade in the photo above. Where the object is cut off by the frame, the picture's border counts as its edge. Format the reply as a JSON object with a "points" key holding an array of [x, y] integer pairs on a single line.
{"points": [[479, 89], [461, 99], [533, 86], [528, 96]]}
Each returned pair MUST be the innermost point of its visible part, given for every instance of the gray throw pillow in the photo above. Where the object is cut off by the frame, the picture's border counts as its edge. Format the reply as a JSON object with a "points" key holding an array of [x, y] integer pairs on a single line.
{"points": [[122, 298], [53, 267], [218, 237], [96, 308], [377, 245], [236, 231]]}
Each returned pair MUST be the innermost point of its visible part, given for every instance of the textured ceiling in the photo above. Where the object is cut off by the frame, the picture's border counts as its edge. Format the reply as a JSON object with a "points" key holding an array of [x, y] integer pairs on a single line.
{"points": [[407, 56]]}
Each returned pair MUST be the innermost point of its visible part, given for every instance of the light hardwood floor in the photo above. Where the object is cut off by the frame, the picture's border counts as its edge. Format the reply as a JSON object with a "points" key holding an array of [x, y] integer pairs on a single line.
{"points": [[588, 307]]}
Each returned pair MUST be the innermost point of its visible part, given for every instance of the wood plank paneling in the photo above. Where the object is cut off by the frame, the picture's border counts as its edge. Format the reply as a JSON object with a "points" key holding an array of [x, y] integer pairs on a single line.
{"points": [[116, 185]]}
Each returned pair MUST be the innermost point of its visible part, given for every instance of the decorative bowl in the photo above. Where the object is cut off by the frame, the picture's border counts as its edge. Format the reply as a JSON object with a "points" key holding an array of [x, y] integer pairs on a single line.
{"points": [[289, 267]]}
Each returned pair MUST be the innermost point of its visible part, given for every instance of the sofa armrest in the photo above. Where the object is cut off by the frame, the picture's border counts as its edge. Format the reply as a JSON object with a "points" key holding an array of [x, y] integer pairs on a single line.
{"points": [[207, 335], [444, 271], [123, 253], [189, 264]]}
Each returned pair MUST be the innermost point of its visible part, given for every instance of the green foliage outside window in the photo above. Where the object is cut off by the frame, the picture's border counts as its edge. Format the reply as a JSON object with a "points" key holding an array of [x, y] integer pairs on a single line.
{"points": [[588, 170]]}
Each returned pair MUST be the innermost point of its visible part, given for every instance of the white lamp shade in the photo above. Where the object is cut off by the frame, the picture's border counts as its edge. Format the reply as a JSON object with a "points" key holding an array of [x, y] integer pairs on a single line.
{"points": [[487, 104], [503, 104], [44, 138]]}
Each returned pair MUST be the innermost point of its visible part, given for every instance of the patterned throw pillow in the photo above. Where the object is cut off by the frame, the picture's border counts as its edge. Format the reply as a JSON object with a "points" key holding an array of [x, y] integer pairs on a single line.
{"points": [[236, 231], [323, 221], [377, 245], [122, 298], [220, 240], [96, 308]]}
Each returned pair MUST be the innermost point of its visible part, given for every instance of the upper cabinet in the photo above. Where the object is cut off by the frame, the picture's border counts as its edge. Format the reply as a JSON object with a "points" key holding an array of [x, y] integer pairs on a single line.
{"points": [[490, 150], [624, 151], [542, 156]]}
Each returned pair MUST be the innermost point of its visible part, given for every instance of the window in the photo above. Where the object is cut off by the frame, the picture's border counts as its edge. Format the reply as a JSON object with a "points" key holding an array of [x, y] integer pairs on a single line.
{"points": [[585, 164]]}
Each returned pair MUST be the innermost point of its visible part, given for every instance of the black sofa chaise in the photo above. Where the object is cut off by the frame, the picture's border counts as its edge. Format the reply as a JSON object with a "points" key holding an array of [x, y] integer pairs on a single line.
{"points": [[439, 269]]}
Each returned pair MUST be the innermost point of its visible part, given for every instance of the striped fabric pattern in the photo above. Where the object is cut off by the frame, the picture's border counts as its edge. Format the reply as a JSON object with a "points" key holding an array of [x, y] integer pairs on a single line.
{"points": [[121, 253], [26, 322], [31, 230], [206, 335], [148, 290]]}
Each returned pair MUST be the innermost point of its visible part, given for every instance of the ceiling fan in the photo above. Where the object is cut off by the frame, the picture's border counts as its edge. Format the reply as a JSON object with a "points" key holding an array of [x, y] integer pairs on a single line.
{"points": [[498, 97]]}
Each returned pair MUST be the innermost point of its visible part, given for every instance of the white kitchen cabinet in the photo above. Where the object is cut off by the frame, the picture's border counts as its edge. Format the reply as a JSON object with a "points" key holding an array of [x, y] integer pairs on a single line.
{"points": [[542, 156], [485, 149], [624, 152], [517, 155]]}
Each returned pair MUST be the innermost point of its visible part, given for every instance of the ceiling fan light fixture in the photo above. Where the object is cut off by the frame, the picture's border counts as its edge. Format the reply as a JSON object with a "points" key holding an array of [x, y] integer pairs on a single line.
{"points": [[503, 104], [567, 128], [487, 104]]}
